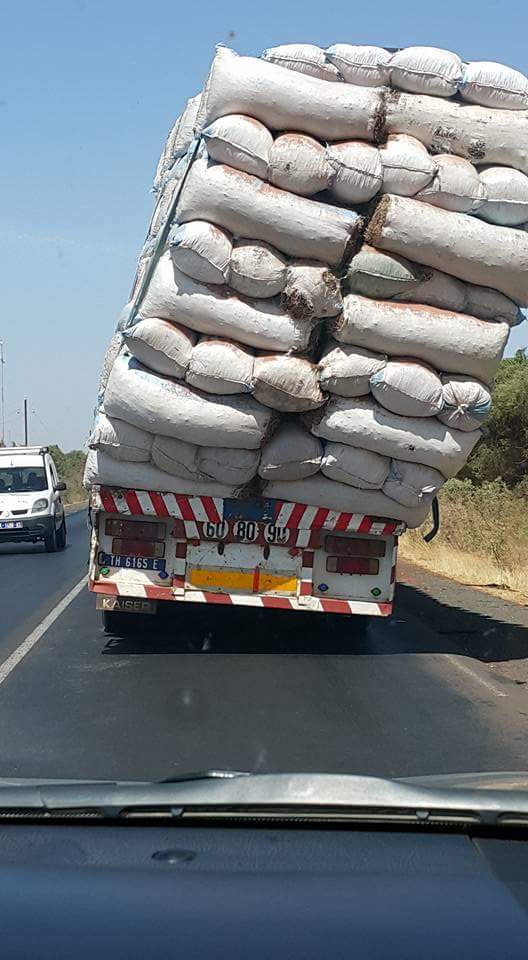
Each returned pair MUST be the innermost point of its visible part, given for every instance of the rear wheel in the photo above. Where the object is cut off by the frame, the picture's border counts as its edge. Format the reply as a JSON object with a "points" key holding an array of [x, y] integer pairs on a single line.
{"points": [[61, 535]]}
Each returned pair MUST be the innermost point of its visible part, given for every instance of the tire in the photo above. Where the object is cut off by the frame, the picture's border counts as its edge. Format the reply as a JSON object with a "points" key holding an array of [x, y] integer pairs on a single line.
{"points": [[50, 541], [115, 622], [61, 535]]}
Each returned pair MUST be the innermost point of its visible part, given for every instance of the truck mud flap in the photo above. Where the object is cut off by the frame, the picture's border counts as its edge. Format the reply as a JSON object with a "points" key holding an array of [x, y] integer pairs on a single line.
{"points": [[126, 604]]}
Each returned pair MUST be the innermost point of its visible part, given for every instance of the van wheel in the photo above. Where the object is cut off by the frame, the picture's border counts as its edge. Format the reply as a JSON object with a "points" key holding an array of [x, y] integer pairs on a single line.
{"points": [[50, 542], [61, 535]]}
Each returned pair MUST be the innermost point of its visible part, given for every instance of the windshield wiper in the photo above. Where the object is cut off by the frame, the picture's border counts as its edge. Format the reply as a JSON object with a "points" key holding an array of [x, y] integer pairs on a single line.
{"points": [[232, 794]]}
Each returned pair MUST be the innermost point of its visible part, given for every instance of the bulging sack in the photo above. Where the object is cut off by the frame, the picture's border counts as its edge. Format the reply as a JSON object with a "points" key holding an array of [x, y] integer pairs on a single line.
{"points": [[241, 142], [346, 370], [412, 484], [506, 201], [374, 273], [455, 186], [221, 367], [257, 270], [489, 304], [264, 90], [100, 468], [408, 388], [451, 342], [467, 403], [201, 251], [287, 383], [299, 163], [454, 243], [360, 468], [494, 85], [407, 167], [429, 70], [291, 454], [120, 440], [249, 208], [312, 290], [363, 423], [444, 126], [172, 409], [161, 346], [256, 323], [361, 65], [304, 58], [356, 171], [319, 491], [233, 467], [178, 140]]}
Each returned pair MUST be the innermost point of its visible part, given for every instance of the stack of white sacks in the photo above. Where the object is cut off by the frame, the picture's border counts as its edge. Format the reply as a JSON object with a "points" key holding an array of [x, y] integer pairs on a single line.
{"points": [[347, 254]]}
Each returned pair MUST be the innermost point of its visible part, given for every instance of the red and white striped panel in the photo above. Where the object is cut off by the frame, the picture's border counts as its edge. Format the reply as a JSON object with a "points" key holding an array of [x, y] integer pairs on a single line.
{"points": [[149, 592], [194, 510]]}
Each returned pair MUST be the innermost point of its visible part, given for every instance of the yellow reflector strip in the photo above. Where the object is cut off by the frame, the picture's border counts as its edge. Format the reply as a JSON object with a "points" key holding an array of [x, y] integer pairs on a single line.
{"points": [[250, 581]]}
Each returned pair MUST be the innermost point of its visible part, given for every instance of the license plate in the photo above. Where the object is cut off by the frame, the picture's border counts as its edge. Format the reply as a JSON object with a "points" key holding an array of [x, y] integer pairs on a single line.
{"points": [[130, 563], [11, 525]]}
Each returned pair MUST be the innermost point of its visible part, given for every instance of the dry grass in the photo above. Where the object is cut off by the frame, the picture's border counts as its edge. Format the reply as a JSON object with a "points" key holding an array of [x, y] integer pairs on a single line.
{"points": [[483, 539]]}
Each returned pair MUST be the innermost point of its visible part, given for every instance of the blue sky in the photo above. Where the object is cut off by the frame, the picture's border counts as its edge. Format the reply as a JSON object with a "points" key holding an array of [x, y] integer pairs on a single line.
{"points": [[88, 91]]}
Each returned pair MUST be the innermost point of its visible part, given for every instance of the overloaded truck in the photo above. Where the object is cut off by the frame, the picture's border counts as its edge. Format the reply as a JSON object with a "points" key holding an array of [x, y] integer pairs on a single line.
{"points": [[336, 256]]}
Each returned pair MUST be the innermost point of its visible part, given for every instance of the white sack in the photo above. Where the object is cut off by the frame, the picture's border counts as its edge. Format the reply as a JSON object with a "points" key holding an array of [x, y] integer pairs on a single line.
{"points": [[299, 163], [289, 101], [494, 85], [257, 323], [120, 440], [407, 167], [453, 342], [233, 467], [467, 402], [455, 243], [363, 423], [312, 290], [102, 469], [241, 142], [161, 346], [356, 170], [292, 453], [220, 366], [175, 410], [362, 65], [506, 196], [408, 388], [456, 186], [201, 251], [286, 383], [319, 491], [425, 70], [444, 126], [178, 140], [412, 484], [346, 370], [360, 468], [303, 57], [374, 273], [257, 270], [257, 211], [112, 351]]}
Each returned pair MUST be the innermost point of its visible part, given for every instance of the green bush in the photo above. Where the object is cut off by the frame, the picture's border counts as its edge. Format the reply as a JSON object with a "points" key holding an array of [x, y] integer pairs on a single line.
{"points": [[70, 467]]}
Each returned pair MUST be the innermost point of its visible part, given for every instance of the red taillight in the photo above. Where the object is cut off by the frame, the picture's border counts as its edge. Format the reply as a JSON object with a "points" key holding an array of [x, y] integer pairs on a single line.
{"points": [[359, 565], [135, 529], [355, 547], [137, 548]]}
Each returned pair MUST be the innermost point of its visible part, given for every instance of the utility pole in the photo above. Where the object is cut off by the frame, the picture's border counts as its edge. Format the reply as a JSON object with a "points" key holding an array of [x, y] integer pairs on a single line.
{"points": [[2, 361], [25, 424]]}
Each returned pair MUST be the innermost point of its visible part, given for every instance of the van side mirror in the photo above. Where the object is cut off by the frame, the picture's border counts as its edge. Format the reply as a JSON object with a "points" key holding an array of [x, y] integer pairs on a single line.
{"points": [[59, 487]]}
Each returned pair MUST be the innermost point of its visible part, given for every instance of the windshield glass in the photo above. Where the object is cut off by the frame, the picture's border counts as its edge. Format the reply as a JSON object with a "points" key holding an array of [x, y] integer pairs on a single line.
{"points": [[264, 294], [22, 479]]}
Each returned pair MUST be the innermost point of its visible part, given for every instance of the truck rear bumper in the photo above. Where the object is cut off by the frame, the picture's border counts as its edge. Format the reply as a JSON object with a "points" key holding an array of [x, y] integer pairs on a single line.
{"points": [[307, 603]]}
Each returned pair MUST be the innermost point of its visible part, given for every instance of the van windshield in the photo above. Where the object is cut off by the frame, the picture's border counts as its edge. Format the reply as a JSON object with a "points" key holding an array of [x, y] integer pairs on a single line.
{"points": [[22, 479]]}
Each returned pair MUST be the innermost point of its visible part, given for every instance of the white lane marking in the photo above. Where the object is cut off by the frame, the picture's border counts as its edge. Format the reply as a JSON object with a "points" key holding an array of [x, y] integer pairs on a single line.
{"points": [[12, 661], [463, 667]]}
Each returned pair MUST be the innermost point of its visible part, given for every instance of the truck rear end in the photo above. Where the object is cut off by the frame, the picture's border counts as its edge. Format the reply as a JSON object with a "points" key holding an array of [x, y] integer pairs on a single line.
{"points": [[148, 547]]}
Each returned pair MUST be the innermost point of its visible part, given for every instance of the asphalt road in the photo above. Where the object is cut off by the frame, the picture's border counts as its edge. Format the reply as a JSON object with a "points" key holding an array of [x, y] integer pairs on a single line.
{"points": [[440, 687]]}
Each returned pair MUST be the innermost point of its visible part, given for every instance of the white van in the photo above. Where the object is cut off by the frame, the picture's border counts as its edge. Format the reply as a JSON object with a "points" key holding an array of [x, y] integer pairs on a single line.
{"points": [[31, 506]]}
